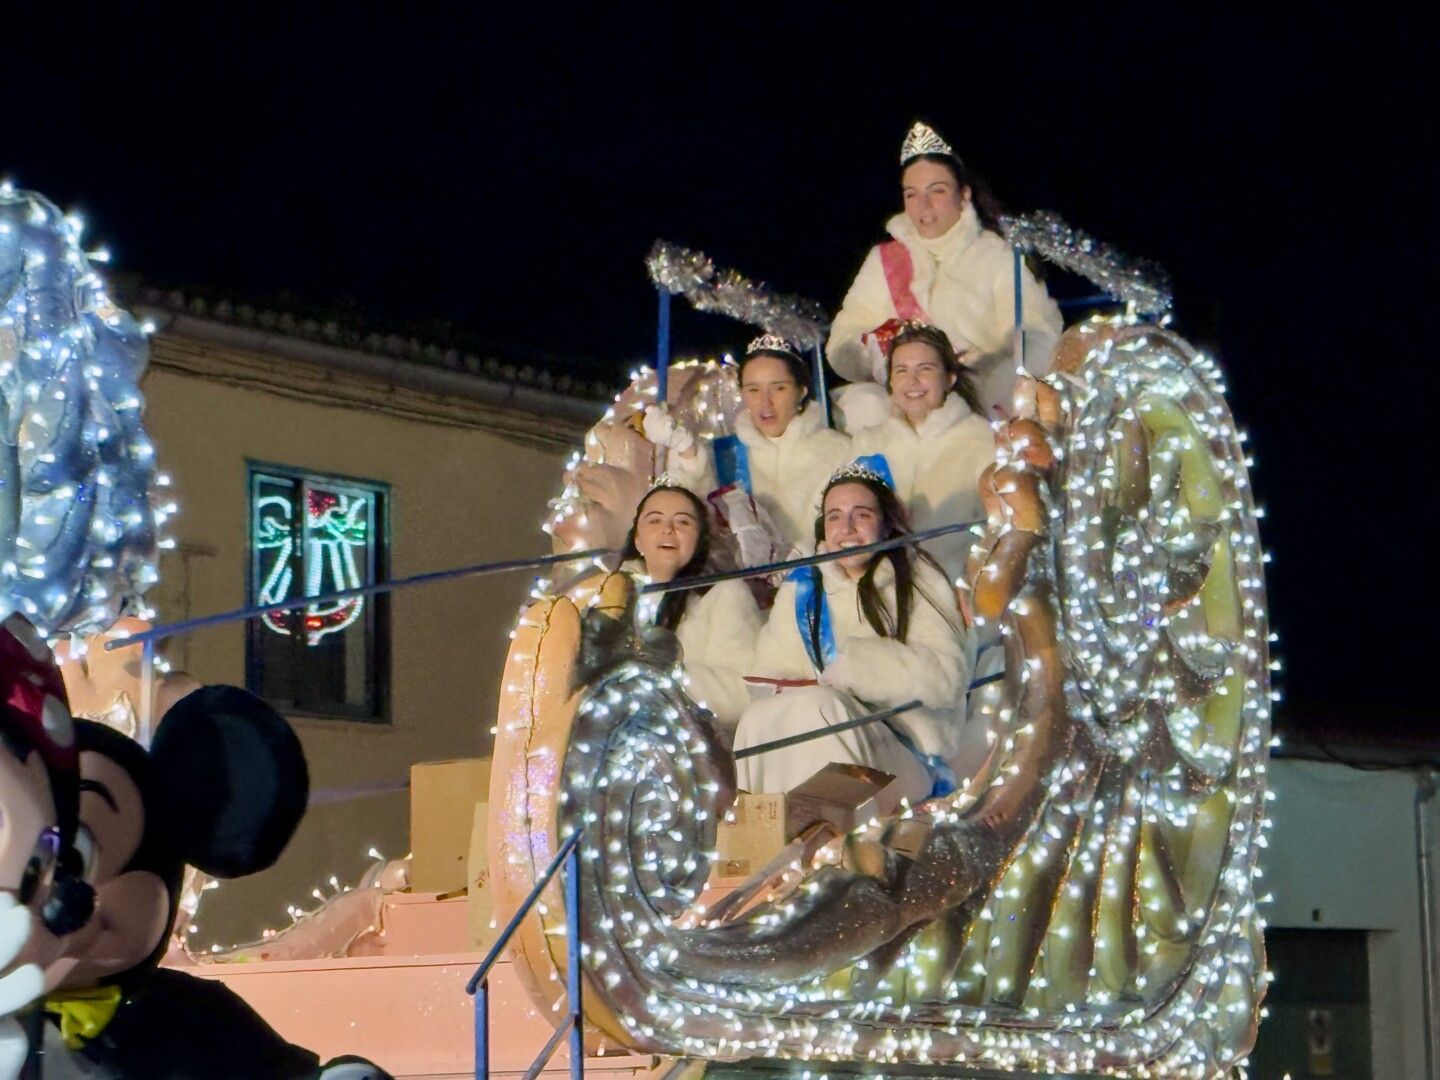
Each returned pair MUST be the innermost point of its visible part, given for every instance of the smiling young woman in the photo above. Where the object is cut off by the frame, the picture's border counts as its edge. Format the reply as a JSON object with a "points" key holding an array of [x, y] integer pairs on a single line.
{"points": [[947, 264], [872, 630], [716, 626]]}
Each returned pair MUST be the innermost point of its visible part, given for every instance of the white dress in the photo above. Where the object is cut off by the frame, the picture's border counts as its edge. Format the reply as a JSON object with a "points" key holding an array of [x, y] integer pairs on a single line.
{"points": [[870, 673], [717, 636], [787, 473], [965, 282], [937, 471]]}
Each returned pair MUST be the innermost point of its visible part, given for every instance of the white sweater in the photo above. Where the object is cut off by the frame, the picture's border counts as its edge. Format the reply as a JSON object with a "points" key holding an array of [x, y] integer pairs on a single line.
{"points": [[937, 471], [965, 281], [787, 474], [930, 665], [717, 635]]}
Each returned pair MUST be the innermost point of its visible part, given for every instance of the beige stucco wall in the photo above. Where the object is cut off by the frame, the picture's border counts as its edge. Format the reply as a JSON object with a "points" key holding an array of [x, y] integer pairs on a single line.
{"points": [[459, 495]]}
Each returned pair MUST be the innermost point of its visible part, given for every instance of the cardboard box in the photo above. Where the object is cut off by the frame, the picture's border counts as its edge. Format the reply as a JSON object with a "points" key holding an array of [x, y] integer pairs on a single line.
{"points": [[481, 899], [443, 795], [758, 826]]}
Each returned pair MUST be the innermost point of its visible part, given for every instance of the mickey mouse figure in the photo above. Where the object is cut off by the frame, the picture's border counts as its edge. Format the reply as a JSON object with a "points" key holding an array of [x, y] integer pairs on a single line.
{"points": [[42, 897], [222, 788]]}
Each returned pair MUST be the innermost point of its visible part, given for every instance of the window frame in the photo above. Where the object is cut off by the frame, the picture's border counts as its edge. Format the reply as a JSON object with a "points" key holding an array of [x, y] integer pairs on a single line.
{"points": [[380, 651]]}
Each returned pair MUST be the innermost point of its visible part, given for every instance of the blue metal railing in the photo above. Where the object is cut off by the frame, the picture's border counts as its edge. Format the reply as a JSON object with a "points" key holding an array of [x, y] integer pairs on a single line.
{"points": [[479, 984]]}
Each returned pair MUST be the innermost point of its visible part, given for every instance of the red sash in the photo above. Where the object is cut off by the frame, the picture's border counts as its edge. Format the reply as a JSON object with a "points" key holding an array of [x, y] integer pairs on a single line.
{"points": [[899, 273]]}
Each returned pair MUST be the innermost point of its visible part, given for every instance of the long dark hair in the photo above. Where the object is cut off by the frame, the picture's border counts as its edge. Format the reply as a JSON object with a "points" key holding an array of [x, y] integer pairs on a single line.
{"points": [[938, 340], [672, 605], [894, 521], [793, 364], [987, 207]]}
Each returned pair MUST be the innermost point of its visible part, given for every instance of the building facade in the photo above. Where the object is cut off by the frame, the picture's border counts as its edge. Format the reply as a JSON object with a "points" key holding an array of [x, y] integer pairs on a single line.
{"points": [[302, 463]]}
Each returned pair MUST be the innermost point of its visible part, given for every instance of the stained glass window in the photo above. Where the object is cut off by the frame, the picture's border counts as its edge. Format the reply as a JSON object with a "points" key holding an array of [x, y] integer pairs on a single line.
{"points": [[312, 536]]}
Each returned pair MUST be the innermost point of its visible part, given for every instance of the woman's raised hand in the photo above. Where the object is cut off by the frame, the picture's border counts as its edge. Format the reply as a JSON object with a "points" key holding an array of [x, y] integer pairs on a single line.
{"points": [[662, 429]]}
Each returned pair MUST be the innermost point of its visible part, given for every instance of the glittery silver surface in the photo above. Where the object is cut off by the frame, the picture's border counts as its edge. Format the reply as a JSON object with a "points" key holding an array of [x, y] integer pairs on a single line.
{"points": [[1135, 281], [691, 274], [77, 527]]}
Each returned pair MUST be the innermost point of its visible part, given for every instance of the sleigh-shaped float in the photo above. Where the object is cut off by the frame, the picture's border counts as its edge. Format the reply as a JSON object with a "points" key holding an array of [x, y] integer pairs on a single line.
{"points": [[1085, 904]]}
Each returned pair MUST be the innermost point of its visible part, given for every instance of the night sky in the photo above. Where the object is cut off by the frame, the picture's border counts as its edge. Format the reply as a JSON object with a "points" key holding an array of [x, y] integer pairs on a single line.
{"points": [[500, 182]]}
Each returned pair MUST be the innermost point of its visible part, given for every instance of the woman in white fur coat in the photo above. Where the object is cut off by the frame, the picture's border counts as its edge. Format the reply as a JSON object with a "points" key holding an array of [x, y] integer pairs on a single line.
{"points": [[858, 635], [717, 626], [781, 453], [934, 439], [946, 264]]}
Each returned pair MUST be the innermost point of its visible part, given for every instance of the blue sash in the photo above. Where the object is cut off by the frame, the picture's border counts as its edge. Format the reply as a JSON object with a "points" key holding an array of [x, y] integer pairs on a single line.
{"points": [[732, 462], [810, 590], [879, 463]]}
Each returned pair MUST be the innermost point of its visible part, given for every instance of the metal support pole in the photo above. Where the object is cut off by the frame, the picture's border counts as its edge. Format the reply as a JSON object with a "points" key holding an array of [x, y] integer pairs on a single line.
{"points": [[822, 394], [1426, 788], [482, 1031], [1019, 311], [572, 927], [662, 350], [147, 692]]}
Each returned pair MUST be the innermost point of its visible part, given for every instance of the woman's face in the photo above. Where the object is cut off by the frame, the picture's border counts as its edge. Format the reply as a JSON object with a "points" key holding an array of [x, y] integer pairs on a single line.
{"points": [[918, 380], [933, 201], [771, 395], [666, 534], [852, 519]]}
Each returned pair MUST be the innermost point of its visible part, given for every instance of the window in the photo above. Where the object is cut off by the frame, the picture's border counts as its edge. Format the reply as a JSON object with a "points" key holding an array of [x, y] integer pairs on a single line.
{"points": [[310, 536]]}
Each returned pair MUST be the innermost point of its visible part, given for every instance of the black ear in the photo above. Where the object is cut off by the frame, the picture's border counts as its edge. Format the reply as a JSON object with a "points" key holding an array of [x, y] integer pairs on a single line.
{"points": [[231, 780]]}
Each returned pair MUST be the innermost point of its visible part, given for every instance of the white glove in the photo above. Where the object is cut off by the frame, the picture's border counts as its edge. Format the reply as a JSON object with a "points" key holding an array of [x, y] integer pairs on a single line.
{"points": [[870, 343], [662, 429], [22, 985]]}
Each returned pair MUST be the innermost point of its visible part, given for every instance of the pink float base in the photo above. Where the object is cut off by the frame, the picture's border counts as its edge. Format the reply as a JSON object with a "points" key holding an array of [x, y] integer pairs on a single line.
{"points": [[403, 1005]]}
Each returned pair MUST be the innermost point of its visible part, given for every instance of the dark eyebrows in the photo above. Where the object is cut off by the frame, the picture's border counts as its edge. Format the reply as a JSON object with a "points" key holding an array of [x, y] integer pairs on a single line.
{"points": [[101, 790]]}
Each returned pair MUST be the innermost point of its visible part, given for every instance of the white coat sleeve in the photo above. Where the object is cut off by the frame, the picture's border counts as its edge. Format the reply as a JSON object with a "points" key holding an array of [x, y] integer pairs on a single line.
{"points": [[696, 472], [779, 650], [865, 307], [931, 664], [721, 654]]}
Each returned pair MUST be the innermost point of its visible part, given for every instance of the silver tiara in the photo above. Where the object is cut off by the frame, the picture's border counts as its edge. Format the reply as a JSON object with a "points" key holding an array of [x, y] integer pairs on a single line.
{"points": [[922, 139], [665, 482], [771, 343], [858, 470]]}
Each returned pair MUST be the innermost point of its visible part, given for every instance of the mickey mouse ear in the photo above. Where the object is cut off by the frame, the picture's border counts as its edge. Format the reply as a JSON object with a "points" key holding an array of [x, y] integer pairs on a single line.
{"points": [[234, 782]]}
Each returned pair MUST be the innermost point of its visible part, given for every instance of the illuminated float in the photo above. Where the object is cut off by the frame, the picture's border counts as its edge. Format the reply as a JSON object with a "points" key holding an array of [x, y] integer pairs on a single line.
{"points": [[1085, 904]]}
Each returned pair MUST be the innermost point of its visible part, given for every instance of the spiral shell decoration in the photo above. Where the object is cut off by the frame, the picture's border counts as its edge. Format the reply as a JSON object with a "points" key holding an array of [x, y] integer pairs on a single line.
{"points": [[1086, 904], [77, 525]]}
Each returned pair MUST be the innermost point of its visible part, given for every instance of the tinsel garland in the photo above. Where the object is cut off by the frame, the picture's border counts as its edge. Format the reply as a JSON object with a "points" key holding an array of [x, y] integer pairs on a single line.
{"points": [[1135, 281], [693, 275]]}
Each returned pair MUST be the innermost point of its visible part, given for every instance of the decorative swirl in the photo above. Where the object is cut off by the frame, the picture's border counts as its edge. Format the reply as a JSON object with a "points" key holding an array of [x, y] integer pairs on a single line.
{"points": [[1086, 903], [77, 528]]}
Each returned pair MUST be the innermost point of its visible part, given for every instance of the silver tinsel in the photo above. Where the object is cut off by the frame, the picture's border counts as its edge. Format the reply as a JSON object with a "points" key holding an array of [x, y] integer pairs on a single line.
{"points": [[1135, 281], [77, 524], [691, 274]]}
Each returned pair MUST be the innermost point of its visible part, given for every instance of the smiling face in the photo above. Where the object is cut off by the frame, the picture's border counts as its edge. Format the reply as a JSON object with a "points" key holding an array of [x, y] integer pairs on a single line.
{"points": [[918, 380], [852, 518], [667, 531], [934, 200], [771, 395]]}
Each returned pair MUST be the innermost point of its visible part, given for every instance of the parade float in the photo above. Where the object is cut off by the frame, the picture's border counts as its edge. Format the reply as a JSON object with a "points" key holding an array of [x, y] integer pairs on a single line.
{"points": [[1084, 904]]}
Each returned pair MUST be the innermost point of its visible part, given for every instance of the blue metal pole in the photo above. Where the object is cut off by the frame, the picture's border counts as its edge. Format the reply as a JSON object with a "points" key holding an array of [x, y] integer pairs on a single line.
{"points": [[173, 629], [822, 394], [482, 1031], [662, 350], [1019, 310], [572, 921]]}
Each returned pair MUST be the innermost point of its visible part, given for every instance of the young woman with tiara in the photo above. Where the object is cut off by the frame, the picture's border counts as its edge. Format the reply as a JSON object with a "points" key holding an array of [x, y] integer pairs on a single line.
{"points": [[946, 264], [935, 441], [781, 450], [670, 540], [858, 635]]}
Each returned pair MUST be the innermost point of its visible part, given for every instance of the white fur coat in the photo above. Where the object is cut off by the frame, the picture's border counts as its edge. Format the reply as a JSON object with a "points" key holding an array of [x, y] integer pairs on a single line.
{"points": [[965, 281]]}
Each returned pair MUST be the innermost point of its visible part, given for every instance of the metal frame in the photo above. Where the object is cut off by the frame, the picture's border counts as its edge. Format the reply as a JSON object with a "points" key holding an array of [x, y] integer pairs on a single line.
{"points": [[479, 985]]}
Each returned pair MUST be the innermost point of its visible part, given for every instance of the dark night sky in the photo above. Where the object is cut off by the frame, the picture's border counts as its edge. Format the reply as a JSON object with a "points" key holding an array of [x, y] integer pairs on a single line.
{"points": [[508, 177]]}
